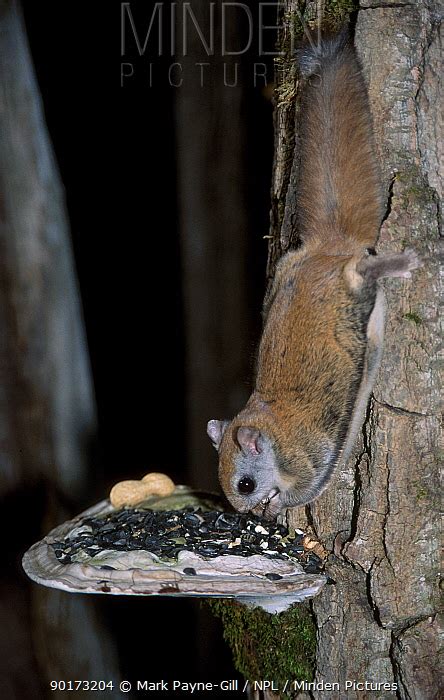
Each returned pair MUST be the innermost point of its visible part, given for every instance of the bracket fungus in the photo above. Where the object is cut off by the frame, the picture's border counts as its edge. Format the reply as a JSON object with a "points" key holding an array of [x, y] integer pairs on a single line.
{"points": [[183, 544]]}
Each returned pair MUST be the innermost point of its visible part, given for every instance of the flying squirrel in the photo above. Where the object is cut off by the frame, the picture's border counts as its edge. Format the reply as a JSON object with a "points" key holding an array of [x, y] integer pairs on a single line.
{"points": [[323, 312]]}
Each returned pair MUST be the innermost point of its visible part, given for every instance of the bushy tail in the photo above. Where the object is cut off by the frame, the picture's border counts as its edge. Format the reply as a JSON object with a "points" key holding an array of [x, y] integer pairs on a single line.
{"points": [[339, 188]]}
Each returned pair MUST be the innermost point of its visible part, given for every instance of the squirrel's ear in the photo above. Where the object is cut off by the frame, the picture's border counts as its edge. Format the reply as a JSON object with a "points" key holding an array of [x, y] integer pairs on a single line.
{"points": [[215, 430], [248, 439]]}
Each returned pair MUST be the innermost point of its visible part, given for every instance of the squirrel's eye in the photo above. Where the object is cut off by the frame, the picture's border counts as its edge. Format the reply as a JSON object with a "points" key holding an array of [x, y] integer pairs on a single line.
{"points": [[246, 485]]}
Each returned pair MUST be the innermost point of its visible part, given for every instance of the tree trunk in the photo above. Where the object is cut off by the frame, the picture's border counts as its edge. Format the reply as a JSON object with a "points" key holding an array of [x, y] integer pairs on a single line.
{"points": [[377, 622], [379, 517], [46, 399]]}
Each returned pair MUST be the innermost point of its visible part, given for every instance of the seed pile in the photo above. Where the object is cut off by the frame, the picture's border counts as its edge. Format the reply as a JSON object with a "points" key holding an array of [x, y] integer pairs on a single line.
{"points": [[208, 534]]}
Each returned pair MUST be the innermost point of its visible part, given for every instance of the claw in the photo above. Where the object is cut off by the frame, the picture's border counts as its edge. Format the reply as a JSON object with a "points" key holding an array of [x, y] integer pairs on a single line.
{"points": [[265, 501]]}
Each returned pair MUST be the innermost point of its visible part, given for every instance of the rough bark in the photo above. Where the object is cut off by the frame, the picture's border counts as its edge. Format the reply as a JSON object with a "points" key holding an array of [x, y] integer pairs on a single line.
{"points": [[47, 413], [379, 517]]}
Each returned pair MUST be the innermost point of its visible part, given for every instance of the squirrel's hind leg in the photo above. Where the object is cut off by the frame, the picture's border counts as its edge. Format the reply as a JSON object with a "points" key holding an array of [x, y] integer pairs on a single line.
{"points": [[374, 267]]}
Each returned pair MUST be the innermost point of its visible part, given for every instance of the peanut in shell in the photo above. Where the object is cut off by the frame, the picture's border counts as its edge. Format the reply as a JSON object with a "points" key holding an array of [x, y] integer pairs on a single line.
{"points": [[158, 484], [128, 493]]}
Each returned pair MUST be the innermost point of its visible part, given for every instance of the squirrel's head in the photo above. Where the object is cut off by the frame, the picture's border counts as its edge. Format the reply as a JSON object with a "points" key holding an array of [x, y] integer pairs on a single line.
{"points": [[247, 467], [256, 476]]}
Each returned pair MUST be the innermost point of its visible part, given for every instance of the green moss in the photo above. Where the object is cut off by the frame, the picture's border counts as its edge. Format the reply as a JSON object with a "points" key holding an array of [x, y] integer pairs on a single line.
{"points": [[439, 454], [409, 174], [336, 14], [412, 316], [275, 647], [414, 187]]}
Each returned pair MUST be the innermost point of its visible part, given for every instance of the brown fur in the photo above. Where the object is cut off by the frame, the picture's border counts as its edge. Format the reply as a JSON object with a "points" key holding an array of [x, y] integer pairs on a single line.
{"points": [[323, 329], [339, 199]]}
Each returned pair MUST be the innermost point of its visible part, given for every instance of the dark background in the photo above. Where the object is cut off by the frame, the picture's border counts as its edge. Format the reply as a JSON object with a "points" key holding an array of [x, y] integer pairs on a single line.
{"points": [[116, 152]]}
